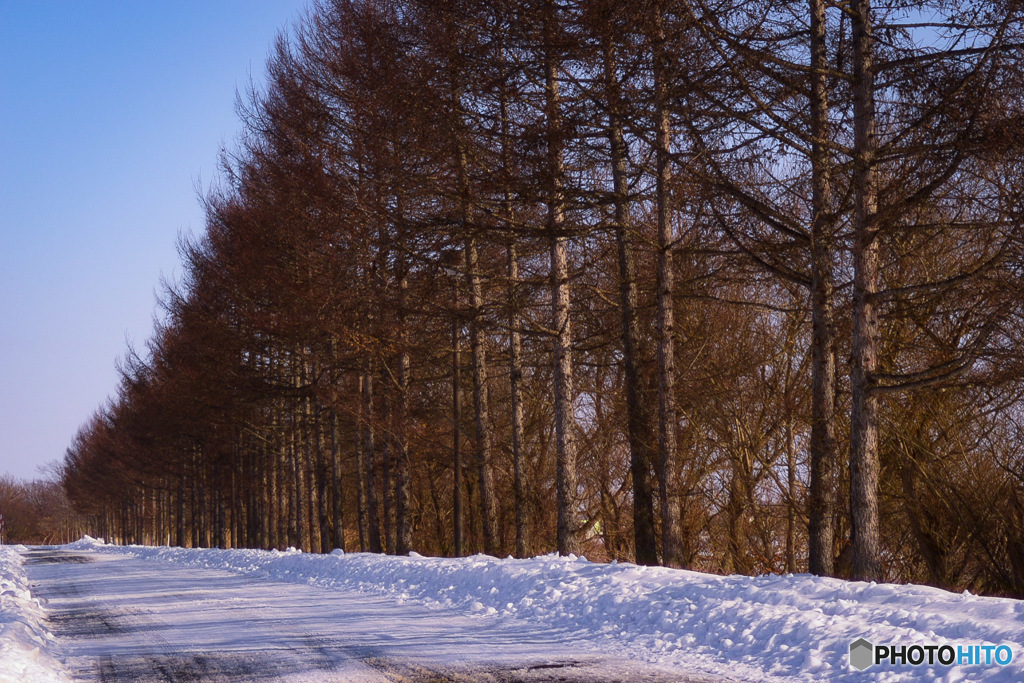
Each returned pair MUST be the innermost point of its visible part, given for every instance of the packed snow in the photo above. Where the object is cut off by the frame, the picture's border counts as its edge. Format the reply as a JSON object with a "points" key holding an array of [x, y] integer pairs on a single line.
{"points": [[795, 627], [124, 618], [25, 642], [792, 627]]}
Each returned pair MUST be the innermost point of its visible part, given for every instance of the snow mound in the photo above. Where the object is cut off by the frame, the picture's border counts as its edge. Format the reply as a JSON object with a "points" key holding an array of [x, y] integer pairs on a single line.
{"points": [[792, 627], [85, 543], [25, 641]]}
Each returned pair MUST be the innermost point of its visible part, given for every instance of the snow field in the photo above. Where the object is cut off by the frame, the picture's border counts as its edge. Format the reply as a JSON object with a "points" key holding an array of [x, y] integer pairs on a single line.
{"points": [[793, 627], [25, 641]]}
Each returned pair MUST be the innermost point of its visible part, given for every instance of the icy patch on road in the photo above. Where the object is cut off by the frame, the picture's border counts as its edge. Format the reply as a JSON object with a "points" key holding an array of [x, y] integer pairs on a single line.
{"points": [[25, 641], [793, 627]]}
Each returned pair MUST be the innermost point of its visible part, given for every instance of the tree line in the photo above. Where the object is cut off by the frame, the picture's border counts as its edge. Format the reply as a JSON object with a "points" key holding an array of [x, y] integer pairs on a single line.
{"points": [[36, 512], [718, 284]]}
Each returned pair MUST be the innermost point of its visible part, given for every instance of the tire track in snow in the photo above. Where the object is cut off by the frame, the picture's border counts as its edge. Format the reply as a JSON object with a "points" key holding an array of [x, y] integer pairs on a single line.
{"points": [[90, 624]]}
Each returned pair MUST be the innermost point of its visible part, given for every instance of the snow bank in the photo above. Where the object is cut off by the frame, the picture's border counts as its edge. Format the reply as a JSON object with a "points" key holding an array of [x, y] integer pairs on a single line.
{"points": [[25, 642], [793, 627]]}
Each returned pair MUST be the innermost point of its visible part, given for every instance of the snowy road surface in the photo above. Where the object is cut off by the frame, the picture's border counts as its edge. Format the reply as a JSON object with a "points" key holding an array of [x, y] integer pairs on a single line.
{"points": [[121, 618]]}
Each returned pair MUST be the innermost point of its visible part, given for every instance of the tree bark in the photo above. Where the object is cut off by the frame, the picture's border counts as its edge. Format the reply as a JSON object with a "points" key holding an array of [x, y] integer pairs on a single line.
{"points": [[569, 528], [821, 507], [790, 493], [864, 418], [458, 513], [372, 522], [325, 480], [403, 475], [361, 468], [179, 521], [673, 551], [478, 349], [338, 497], [310, 456], [638, 424], [515, 368], [515, 342]]}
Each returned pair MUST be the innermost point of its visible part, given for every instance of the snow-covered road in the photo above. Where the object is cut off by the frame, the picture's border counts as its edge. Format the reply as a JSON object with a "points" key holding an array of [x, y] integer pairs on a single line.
{"points": [[113, 612], [122, 618]]}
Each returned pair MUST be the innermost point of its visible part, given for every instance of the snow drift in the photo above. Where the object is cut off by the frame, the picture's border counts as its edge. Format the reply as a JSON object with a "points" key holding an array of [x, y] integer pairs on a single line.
{"points": [[25, 641]]}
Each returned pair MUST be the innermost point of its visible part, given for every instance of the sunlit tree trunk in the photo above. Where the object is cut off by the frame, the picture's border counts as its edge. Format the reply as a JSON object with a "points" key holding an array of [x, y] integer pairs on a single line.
{"points": [[478, 350], [515, 367], [568, 502], [673, 552], [864, 418]]}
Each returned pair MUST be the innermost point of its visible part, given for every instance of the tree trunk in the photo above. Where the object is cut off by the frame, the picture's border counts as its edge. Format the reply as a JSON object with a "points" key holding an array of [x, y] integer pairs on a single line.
{"points": [[338, 497], [864, 418], [568, 503], [458, 515], [821, 508], [673, 552], [402, 468], [790, 493], [311, 454], [222, 526], [736, 516], [362, 435], [373, 524], [638, 424], [515, 343], [279, 482], [179, 521], [515, 367], [295, 526], [325, 479], [478, 348], [386, 444], [196, 501]]}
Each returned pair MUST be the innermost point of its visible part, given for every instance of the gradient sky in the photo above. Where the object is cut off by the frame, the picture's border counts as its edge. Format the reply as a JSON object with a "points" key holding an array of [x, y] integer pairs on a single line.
{"points": [[112, 114]]}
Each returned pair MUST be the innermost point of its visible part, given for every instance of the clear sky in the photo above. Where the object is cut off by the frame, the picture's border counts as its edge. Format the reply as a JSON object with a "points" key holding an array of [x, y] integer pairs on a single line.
{"points": [[111, 115]]}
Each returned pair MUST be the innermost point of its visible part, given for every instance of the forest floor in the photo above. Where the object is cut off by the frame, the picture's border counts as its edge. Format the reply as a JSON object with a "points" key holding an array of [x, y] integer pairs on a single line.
{"points": [[90, 611]]}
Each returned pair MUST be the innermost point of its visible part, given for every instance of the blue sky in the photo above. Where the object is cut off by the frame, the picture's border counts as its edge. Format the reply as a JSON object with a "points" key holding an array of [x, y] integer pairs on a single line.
{"points": [[111, 115]]}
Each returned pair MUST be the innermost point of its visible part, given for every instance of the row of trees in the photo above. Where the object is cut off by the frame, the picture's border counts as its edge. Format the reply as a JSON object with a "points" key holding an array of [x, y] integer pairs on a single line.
{"points": [[36, 512], [587, 276]]}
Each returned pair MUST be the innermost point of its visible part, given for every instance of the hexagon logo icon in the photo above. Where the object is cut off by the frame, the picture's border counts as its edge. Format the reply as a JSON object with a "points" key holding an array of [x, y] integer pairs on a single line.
{"points": [[862, 654]]}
